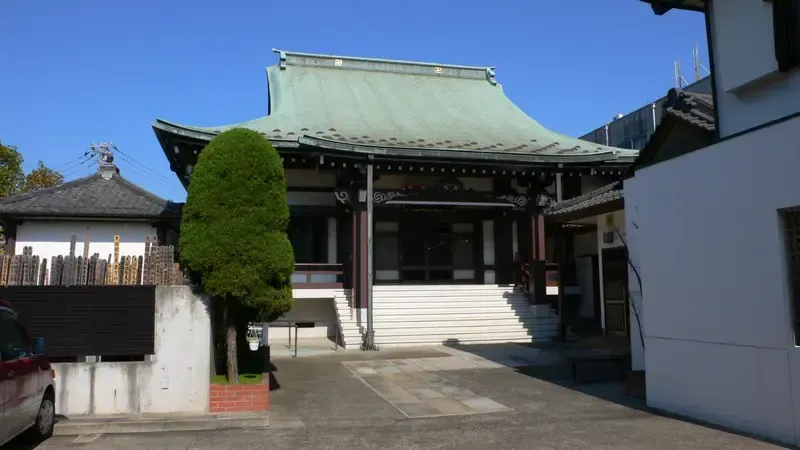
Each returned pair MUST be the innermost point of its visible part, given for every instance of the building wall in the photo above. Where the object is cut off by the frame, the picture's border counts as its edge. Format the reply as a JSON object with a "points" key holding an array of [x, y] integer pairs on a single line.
{"points": [[718, 333], [750, 90], [634, 129], [50, 238], [175, 380]]}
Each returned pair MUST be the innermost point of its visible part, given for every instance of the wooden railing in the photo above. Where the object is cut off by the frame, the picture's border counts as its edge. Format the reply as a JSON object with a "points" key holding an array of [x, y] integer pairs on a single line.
{"points": [[317, 276]]}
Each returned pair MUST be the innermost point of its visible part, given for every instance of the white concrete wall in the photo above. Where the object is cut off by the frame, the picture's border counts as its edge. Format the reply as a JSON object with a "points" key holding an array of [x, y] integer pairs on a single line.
{"points": [[310, 305], [175, 381], [718, 334], [50, 238], [750, 90]]}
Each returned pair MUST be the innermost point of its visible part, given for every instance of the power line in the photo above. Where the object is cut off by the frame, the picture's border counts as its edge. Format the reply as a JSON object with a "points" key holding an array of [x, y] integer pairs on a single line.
{"points": [[77, 168], [75, 164], [149, 178], [132, 160], [69, 163]]}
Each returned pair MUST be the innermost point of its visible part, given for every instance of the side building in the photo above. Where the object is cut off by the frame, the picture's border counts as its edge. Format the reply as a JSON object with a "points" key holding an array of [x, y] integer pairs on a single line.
{"points": [[717, 236], [633, 130]]}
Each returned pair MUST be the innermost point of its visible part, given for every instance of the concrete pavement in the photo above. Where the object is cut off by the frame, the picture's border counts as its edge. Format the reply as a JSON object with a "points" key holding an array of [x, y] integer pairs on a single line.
{"points": [[321, 403]]}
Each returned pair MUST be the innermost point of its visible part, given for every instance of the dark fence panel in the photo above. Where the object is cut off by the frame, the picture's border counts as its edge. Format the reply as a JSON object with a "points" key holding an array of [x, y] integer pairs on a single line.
{"points": [[87, 320]]}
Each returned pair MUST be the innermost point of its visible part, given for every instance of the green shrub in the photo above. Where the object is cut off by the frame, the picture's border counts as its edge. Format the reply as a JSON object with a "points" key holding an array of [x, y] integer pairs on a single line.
{"points": [[233, 230]]}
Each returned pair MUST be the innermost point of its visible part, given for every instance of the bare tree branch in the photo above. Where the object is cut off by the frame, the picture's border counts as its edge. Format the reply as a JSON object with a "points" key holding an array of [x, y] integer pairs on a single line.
{"points": [[638, 276]]}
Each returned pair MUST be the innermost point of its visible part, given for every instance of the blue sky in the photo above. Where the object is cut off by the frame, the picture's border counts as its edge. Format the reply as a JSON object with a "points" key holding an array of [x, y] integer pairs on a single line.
{"points": [[87, 71]]}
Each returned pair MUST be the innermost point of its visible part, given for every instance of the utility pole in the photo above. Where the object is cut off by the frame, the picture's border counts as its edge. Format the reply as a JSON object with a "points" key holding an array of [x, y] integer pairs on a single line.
{"points": [[103, 152]]}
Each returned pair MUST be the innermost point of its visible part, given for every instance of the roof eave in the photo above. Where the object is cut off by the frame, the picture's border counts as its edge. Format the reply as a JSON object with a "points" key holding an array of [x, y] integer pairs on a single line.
{"points": [[591, 211], [453, 154], [22, 215], [161, 127], [661, 7]]}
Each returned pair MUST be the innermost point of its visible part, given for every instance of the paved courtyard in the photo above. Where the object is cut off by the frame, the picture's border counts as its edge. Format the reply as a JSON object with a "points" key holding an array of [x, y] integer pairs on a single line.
{"points": [[441, 398]]}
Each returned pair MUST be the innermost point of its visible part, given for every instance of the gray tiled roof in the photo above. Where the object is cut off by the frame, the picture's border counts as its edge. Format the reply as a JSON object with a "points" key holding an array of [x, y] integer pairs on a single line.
{"points": [[92, 196], [605, 194], [696, 109]]}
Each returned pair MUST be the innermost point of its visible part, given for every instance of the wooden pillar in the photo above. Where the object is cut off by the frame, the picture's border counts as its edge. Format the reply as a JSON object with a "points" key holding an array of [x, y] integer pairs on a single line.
{"points": [[344, 245], [10, 233], [540, 241], [503, 249], [360, 252]]}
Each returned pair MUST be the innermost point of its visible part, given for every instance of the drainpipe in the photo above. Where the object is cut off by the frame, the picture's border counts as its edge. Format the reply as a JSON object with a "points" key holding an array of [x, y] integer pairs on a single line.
{"points": [[654, 117], [369, 341]]}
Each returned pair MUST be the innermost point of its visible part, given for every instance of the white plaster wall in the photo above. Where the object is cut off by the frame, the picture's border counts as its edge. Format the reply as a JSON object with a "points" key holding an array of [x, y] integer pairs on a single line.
{"points": [[51, 238], [718, 336], [309, 306], [751, 91], [175, 381]]}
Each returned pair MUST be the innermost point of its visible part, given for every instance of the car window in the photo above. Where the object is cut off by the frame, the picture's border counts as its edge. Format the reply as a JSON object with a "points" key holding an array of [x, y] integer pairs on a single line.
{"points": [[13, 342]]}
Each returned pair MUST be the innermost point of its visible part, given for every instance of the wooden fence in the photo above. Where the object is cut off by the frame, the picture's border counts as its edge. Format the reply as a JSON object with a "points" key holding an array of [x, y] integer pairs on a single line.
{"points": [[156, 267]]}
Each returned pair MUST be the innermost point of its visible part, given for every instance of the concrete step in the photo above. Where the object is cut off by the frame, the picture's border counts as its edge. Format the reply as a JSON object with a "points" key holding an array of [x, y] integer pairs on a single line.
{"points": [[462, 338], [482, 340], [442, 287], [517, 330], [455, 321], [394, 310], [158, 423], [448, 294]]}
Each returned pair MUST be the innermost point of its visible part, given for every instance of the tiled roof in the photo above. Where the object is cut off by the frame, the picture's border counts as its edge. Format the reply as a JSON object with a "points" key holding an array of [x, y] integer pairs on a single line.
{"points": [[696, 109], [93, 196], [605, 194], [364, 104], [662, 6]]}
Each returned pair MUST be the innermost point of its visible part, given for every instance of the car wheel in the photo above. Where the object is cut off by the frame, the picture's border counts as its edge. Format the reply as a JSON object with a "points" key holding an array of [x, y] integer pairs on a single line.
{"points": [[45, 419]]}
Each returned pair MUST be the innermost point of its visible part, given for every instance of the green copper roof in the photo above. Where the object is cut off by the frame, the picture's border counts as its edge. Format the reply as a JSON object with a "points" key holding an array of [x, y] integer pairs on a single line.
{"points": [[364, 104]]}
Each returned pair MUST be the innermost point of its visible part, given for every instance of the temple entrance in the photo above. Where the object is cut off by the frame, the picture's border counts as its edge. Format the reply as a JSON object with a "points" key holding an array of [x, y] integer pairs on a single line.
{"points": [[615, 281], [424, 248]]}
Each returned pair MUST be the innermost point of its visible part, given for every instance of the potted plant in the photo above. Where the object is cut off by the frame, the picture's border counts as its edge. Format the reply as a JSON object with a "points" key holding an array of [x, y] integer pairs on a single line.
{"points": [[252, 339]]}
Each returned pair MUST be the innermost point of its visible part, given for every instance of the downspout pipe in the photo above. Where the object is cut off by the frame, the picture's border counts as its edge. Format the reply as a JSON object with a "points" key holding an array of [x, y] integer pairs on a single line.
{"points": [[369, 339]]}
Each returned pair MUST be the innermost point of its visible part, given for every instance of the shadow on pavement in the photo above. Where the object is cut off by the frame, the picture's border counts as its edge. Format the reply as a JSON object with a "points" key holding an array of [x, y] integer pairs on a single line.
{"points": [[23, 442]]}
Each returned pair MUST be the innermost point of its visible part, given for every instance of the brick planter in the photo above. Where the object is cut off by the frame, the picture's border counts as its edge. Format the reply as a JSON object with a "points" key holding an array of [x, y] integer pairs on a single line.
{"points": [[239, 398]]}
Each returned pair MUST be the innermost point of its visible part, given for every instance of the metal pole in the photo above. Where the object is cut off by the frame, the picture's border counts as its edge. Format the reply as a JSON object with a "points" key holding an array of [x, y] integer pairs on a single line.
{"points": [[370, 342]]}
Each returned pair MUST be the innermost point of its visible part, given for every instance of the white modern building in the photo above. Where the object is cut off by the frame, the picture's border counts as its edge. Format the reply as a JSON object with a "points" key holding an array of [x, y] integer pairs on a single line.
{"points": [[717, 235]]}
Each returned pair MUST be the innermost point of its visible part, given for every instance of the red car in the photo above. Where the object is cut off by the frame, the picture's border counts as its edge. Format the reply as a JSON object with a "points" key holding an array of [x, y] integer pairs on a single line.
{"points": [[27, 381]]}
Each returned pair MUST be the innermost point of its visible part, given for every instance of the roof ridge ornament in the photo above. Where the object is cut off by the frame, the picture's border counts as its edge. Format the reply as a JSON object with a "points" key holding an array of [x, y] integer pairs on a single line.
{"points": [[490, 76], [385, 65], [282, 56]]}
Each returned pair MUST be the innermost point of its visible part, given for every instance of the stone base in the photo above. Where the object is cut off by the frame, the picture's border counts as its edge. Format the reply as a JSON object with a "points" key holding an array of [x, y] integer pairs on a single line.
{"points": [[635, 384], [239, 398]]}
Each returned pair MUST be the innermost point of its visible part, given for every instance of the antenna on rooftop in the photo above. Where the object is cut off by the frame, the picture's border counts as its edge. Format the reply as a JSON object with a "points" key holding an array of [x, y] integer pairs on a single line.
{"points": [[103, 152], [679, 80], [697, 65]]}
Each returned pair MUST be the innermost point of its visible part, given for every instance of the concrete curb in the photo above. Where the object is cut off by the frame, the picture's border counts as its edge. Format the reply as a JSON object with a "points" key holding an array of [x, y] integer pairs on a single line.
{"points": [[145, 424]]}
